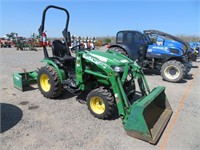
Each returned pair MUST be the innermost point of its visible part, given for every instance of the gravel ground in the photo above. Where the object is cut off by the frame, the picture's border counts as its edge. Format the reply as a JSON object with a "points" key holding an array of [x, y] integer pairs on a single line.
{"points": [[30, 121]]}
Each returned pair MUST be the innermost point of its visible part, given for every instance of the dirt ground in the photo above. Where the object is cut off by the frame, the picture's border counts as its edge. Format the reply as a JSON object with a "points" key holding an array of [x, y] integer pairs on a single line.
{"points": [[30, 121]]}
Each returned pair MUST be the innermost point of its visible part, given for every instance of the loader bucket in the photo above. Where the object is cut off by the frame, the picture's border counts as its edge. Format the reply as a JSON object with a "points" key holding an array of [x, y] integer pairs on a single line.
{"points": [[149, 116], [23, 80]]}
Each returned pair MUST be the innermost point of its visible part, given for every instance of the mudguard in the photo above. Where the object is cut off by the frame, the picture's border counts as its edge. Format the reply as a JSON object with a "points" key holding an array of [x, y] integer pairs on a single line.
{"points": [[133, 54], [61, 72]]}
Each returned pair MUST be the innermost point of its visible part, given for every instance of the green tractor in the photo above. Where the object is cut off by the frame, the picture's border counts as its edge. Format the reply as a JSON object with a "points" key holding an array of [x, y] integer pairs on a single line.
{"points": [[109, 79]]}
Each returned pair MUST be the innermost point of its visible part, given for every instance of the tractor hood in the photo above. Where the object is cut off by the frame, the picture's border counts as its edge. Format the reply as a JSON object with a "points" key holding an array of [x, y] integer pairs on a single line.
{"points": [[172, 43], [186, 44], [109, 58]]}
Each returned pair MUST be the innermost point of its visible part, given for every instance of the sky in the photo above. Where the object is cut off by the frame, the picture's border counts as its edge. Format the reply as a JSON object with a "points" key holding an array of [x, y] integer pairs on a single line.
{"points": [[100, 17]]}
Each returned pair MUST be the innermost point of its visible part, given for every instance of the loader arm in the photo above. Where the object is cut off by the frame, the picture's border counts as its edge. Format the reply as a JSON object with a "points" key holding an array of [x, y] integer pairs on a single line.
{"points": [[110, 76], [114, 79], [147, 117]]}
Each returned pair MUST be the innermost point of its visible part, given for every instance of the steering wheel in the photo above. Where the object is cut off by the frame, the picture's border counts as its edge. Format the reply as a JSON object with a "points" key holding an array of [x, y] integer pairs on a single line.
{"points": [[74, 48], [79, 47]]}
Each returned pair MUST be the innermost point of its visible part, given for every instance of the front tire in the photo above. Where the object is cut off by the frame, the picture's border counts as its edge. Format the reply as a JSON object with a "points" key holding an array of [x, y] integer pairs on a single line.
{"points": [[49, 82], [173, 71], [101, 103]]}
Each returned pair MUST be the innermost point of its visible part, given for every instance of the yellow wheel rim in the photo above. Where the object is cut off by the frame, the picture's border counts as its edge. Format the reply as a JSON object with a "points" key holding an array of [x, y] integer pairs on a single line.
{"points": [[44, 82], [97, 105]]}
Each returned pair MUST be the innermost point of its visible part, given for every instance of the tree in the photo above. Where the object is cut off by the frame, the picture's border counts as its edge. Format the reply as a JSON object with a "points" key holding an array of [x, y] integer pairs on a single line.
{"points": [[108, 40]]}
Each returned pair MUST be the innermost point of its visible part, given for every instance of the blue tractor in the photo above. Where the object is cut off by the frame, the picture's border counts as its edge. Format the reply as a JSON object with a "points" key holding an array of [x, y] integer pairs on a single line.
{"points": [[194, 52], [156, 50]]}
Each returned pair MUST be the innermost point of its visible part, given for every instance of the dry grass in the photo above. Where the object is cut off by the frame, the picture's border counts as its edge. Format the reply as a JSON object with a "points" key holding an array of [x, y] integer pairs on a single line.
{"points": [[188, 38]]}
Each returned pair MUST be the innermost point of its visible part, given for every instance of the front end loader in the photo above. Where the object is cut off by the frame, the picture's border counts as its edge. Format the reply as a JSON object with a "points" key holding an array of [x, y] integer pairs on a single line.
{"points": [[109, 79]]}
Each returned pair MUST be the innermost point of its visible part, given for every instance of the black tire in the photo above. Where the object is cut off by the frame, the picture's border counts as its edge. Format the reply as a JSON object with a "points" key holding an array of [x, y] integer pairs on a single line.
{"points": [[101, 103], [187, 70], [53, 88], [119, 50], [169, 68]]}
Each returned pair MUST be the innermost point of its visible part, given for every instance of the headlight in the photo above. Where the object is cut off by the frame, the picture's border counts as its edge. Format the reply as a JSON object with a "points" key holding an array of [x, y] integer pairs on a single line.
{"points": [[174, 51], [119, 69]]}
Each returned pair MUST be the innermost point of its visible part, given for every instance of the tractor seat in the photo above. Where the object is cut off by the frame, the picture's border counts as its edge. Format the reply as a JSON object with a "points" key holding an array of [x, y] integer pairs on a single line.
{"points": [[61, 52]]}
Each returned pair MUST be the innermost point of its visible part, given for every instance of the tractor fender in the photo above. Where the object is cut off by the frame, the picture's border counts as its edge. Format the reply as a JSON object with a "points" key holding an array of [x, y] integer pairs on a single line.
{"points": [[168, 58], [187, 64], [130, 53], [61, 72]]}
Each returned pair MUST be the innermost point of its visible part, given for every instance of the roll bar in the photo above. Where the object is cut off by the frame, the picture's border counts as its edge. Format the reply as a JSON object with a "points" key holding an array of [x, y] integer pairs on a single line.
{"points": [[65, 32], [41, 29]]}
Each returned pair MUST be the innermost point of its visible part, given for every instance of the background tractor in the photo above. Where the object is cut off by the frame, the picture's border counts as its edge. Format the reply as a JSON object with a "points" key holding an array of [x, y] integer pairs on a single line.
{"points": [[155, 50], [109, 79], [194, 52], [5, 43]]}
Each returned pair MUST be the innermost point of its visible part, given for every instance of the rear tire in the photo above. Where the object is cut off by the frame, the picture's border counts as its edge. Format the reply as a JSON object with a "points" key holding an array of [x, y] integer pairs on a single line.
{"points": [[49, 82], [119, 50], [173, 71], [101, 103]]}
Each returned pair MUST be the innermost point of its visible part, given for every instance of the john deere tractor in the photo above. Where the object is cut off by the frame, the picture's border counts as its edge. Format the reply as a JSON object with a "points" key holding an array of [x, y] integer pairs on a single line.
{"points": [[109, 79]]}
